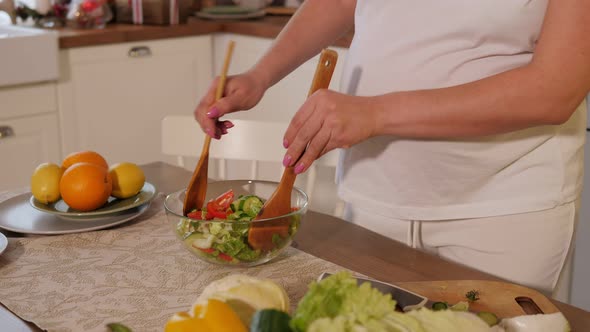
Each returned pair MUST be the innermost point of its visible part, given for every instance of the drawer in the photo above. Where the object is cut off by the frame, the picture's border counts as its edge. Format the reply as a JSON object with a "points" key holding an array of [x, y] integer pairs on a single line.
{"points": [[29, 99]]}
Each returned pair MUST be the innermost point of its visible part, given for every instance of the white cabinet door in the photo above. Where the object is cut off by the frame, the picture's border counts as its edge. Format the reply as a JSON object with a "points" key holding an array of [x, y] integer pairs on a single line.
{"points": [[25, 143], [112, 98]]}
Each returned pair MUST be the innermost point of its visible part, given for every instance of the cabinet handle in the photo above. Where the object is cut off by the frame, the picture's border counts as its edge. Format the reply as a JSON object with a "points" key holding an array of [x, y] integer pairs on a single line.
{"points": [[6, 131], [139, 52]]}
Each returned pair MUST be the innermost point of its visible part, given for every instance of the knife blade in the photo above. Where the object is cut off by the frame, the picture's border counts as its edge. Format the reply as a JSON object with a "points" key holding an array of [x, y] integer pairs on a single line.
{"points": [[406, 300]]}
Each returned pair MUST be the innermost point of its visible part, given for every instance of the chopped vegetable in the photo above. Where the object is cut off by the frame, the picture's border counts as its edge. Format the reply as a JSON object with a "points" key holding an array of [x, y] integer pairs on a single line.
{"points": [[488, 317], [472, 295], [233, 240], [460, 306], [270, 320], [340, 296], [118, 327], [440, 306]]}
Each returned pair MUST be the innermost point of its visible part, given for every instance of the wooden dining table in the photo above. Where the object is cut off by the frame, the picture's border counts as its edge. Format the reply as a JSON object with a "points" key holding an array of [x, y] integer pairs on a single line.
{"points": [[339, 242]]}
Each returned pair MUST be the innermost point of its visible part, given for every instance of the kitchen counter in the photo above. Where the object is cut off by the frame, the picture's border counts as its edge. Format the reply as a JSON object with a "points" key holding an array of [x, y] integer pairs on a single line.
{"points": [[349, 246], [267, 27]]}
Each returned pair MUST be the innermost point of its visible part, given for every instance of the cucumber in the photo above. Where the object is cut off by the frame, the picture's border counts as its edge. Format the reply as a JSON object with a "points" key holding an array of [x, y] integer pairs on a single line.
{"points": [[440, 306], [488, 317], [270, 320], [252, 205]]}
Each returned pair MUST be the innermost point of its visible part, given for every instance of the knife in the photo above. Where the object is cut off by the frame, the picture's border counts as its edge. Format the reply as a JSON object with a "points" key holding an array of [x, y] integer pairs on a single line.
{"points": [[406, 300]]}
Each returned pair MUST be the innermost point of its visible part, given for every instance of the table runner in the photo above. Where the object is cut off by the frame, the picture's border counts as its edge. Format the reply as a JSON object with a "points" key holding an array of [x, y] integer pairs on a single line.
{"points": [[138, 274]]}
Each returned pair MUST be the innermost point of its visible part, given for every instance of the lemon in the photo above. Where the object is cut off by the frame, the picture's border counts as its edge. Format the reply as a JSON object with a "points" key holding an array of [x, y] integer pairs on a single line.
{"points": [[128, 179], [45, 183], [245, 295]]}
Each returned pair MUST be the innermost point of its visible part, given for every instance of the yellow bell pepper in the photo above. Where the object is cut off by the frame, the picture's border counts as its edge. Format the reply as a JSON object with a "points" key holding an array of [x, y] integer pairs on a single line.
{"points": [[215, 316], [220, 317], [183, 322]]}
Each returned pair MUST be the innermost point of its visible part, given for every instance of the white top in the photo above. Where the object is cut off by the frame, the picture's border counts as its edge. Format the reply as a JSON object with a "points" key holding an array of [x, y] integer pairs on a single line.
{"points": [[406, 45]]}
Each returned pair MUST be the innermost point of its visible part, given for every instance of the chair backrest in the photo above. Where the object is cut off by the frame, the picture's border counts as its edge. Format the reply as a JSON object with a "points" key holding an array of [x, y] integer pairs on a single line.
{"points": [[249, 140]]}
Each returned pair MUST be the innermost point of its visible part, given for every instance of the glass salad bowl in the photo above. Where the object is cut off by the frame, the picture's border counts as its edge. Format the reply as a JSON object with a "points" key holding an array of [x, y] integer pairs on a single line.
{"points": [[224, 231]]}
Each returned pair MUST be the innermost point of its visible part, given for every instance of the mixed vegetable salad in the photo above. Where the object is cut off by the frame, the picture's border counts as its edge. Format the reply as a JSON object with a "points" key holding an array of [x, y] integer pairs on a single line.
{"points": [[223, 230]]}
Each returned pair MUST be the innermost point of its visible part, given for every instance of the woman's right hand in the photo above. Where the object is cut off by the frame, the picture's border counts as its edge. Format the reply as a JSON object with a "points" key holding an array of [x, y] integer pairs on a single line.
{"points": [[242, 92]]}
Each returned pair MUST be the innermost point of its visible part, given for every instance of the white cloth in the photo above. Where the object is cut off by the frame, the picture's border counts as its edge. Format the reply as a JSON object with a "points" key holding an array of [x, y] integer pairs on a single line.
{"points": [[528, 248], [405, 45]]}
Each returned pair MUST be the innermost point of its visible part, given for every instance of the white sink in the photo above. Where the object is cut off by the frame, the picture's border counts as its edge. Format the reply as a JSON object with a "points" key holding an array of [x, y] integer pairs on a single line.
{"points": [[27, 55]]}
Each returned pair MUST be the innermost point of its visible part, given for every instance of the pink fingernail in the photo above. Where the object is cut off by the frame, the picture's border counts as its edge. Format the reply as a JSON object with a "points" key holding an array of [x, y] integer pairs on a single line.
{"points": [[209, 132], [223, 131], [213, 112], [287, 160], [285, 143], [299, 168], [229, 124]]}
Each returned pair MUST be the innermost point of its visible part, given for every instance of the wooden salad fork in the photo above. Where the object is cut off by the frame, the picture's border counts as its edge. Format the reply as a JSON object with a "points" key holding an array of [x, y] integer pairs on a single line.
{"points": [[279, 203], [197, 188]]}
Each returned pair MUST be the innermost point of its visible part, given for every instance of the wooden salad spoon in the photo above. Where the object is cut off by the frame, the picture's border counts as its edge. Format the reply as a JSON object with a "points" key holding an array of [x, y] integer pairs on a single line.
{"points": [[279, 203], [197, 188]]}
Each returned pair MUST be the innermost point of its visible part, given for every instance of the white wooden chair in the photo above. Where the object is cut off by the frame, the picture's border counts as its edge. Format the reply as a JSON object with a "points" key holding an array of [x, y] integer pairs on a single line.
{"points": [[249, 140]]}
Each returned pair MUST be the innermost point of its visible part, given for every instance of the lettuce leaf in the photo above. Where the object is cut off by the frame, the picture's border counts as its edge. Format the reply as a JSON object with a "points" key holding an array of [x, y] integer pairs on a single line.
{"points": [[339, 295]]}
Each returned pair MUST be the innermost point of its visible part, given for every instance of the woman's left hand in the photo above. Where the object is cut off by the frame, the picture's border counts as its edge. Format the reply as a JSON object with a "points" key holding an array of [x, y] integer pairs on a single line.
{"points": [[327, 120]]}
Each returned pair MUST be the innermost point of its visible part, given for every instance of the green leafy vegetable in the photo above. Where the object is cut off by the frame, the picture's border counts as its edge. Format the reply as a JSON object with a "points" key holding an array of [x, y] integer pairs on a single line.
{"points": [[472, 295], [339, 295], [117, 327]]}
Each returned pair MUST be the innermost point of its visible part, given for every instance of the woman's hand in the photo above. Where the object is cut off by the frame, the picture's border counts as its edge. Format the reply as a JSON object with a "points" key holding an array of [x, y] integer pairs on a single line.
{"points": [[327, 120], [242, 92]]}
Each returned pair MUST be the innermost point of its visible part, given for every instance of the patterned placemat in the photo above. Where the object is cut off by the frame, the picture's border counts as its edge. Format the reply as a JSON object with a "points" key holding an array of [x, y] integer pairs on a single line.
{"points": [[138, 274]]}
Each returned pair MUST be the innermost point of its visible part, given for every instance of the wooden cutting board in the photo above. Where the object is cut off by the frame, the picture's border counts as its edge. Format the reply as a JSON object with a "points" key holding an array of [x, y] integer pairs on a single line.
{"points": [[501, 298]]}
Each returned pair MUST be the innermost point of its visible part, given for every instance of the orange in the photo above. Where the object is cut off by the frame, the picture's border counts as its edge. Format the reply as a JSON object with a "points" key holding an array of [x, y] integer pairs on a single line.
{"points": [[85, 186], [84, 157]]}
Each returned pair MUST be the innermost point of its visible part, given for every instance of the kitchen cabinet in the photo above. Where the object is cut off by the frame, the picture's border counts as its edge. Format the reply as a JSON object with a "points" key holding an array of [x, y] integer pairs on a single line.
{"points": [[29, 131], [112, 98]]}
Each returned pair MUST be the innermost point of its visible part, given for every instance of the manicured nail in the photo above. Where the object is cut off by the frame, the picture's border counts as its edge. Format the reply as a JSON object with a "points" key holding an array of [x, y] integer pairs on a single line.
{"points": [[223, 131], [229, 124], [287, 160], [285, 143], [299, 168], [213, 112]]}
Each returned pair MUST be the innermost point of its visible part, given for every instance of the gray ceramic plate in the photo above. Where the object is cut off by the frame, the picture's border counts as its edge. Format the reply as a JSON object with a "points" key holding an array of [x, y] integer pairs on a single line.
{"points": [[17, 215], [3, 243], [113, 205]]}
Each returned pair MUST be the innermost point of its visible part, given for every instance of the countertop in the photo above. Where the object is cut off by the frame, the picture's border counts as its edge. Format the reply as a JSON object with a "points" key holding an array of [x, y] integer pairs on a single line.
{"points": [[267, 27]]}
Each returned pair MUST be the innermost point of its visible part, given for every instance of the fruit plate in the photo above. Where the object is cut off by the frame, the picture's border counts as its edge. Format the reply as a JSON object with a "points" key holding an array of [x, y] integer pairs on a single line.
{"points": [[112, 207], [17, 215]]}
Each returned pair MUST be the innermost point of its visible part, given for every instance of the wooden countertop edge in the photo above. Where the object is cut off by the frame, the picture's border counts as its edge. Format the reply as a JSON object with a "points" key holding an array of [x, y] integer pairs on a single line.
{"points": [[268, 27]]}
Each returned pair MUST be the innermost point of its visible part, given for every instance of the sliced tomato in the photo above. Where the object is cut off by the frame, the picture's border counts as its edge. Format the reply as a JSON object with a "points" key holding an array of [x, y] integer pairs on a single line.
{"points": [[198, 215], [223, 201], [225, 257], [208, 250], [194, 215], [215, 212]]}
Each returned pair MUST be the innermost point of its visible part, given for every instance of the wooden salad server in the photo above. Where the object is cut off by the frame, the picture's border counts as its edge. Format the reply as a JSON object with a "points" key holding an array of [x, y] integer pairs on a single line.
{"points": [[197, 188], [279, 203]]}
